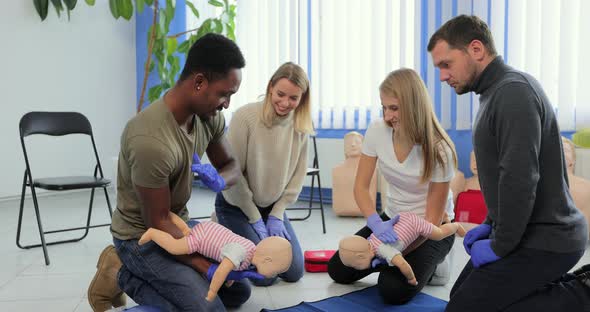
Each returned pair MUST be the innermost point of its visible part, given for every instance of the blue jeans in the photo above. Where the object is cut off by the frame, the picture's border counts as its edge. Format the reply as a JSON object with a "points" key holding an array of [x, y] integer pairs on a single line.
{"points": [[151, 276], [524, 280], [234, 219]]}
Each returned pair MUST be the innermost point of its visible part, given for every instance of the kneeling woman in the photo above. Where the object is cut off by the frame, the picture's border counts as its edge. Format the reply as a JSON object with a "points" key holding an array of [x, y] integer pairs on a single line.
{"points": [[418, 160], [269, 140]]}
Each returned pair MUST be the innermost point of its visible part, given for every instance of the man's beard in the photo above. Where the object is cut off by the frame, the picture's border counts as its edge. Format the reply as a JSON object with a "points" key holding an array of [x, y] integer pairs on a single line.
{"points": [[468, 87]]}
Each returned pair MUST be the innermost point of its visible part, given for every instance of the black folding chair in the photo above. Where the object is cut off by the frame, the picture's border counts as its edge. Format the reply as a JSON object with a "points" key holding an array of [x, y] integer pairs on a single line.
{"points": [[58, 124], [314, 172]]}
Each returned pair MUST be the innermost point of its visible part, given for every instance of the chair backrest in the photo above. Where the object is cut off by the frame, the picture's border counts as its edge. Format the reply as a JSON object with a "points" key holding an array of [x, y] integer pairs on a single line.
{"points": [[54, 123]]}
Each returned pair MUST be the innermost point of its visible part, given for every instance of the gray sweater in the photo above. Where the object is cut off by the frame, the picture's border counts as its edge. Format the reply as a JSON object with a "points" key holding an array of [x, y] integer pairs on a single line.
{"points": [[521, 166]]}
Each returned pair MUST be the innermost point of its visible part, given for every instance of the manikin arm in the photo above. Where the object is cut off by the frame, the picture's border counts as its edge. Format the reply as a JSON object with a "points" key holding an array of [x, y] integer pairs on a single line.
{"points": [[446, 230], [172, 245], [219, 277], [405, 268]]}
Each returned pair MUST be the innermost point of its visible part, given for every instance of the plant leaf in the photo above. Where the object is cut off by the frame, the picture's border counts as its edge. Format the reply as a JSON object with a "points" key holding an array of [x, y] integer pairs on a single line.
{"points": [[41, 7], [163, 26], [192, 6], [58, 7], [149, 2], [218, 26], [184, 46], [90, 2], [140, 4], [125, 9], [154, 92], [114, 8], [169, 11], [171, 45], [215, 3], [70, 4]]}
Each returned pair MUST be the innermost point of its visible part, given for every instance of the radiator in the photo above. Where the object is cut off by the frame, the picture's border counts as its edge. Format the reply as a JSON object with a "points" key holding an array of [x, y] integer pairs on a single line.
{"points": [[582, 166]]}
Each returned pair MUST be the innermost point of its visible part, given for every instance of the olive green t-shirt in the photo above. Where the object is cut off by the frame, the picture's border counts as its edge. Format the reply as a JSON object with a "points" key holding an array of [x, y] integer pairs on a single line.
{"points": [[157, 152]]}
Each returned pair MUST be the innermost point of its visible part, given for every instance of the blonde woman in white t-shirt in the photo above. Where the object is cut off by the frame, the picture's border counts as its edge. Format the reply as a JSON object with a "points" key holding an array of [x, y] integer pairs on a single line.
{"points": [[418, 160], [269, 141]]}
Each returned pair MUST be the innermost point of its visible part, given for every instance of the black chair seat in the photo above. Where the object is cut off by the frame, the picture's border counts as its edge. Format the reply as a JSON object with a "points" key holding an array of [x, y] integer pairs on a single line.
{"points": [[313, 171], [70, 183]]}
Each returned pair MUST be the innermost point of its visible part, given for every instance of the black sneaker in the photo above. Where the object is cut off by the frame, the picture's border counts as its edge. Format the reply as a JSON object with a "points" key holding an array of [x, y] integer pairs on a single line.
{"points": [[583, 269], [583, 274]]}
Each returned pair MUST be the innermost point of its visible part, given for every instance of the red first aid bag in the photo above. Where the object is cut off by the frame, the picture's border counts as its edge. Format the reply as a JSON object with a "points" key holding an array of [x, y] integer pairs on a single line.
{"points": [[470, 207], [317, 260]]}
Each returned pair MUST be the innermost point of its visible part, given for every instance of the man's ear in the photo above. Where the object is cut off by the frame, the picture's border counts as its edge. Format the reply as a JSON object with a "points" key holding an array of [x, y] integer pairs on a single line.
{"points": [[477, 50], [200, 81], [267, 259]]}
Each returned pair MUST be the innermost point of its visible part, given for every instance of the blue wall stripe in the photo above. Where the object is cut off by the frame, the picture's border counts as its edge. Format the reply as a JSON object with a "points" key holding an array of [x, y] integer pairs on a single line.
{"points": [[505, 31], [489, 13], [424, 40], [437, 84], [453, 94], [309, 55]]}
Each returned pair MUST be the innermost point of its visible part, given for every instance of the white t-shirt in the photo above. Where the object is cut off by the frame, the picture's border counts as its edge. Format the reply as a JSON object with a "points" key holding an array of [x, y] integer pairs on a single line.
{"points": [[406, 192]]}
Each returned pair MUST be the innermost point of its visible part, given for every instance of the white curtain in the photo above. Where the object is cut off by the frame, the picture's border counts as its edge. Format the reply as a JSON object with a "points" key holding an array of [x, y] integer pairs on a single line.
{"points": [[354, 45]]}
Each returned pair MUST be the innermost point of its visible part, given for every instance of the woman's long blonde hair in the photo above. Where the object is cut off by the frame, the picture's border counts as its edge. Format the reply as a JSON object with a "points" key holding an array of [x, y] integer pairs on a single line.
{"points": [[295, 74], [418, 120]]}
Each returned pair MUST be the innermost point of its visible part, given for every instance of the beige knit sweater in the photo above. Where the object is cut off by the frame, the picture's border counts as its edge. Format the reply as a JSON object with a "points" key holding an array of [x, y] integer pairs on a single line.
{"points": [[273, 162]]}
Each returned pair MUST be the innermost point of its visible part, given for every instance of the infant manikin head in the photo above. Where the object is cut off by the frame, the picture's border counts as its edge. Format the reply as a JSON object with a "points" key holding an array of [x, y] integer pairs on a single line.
{"points": [[273, 255], [356, 252], [569, 151], [353, 142], [472, 163]]}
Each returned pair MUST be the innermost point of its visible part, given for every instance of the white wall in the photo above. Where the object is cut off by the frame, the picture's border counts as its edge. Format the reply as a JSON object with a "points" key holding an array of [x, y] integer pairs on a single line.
{"points": [[85, 65]]}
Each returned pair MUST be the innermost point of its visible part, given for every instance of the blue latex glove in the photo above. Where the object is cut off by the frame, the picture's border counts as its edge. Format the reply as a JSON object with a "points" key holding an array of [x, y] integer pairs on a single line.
{"points": [[477, 233], [482, 253], [383, 229], [378, 262], [276, 227], [260, 229], [234, 275], [208, 175]]}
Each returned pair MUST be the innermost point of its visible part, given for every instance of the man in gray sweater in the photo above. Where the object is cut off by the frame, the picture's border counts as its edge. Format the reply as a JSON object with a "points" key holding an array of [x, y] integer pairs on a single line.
{"points": [[533, 233]]}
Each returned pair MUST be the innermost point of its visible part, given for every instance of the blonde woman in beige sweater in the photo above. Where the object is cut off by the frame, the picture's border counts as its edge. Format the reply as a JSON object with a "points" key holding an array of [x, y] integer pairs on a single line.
{"points": [[269, 140]]}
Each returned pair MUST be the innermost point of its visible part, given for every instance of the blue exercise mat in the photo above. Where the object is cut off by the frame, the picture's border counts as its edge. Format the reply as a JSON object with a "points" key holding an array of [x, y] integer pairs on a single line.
{"points": [[367, 300]]}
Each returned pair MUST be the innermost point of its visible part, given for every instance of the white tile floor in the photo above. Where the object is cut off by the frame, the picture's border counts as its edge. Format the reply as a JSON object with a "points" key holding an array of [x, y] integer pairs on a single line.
{"points": [[26, 284]]}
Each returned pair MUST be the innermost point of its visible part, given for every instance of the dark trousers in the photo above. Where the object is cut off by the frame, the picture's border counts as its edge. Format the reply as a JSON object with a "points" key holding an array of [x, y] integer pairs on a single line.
{"points": [[525, 280], [393, 285]]}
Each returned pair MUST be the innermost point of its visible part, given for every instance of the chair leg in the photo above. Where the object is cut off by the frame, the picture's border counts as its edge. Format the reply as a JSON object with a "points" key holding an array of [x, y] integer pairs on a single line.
{"points": [[310, 201], [41, 232], [20, 212], [321, 204], [106, 195], [87, 219]]}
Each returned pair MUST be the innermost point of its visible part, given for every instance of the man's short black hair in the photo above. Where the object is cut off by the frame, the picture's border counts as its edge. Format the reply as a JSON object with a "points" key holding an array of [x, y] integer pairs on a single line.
{"points": [[214, 56], [459, 31]]}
